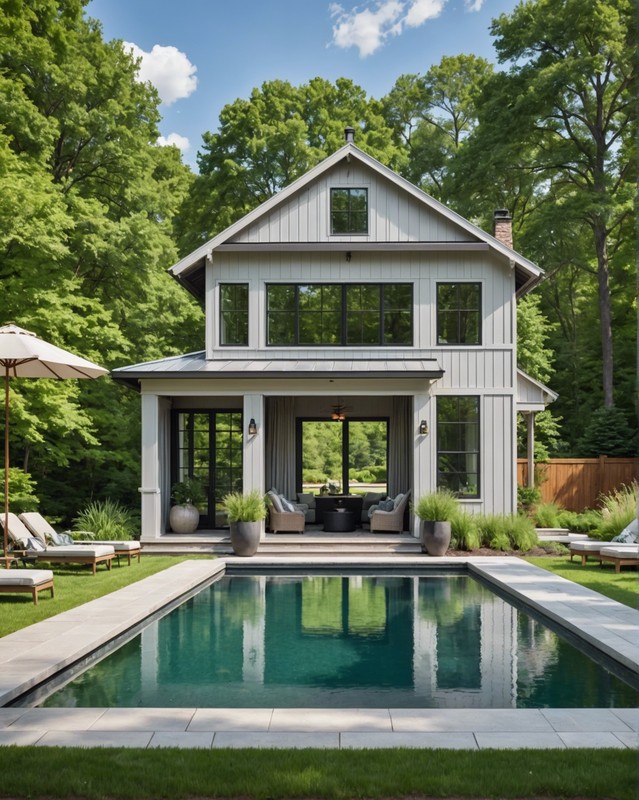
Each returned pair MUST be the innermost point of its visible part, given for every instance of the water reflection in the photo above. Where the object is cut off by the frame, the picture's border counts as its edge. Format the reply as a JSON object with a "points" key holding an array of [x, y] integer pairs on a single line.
{"points": [[346, 641]]}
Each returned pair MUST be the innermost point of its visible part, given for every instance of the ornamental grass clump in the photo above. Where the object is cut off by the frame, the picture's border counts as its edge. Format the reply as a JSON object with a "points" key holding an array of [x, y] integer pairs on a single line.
{"points": [[546, 515], [521, 532], [464, 533], [618, 509], [439, 506], [107, 519], [249, 507]]}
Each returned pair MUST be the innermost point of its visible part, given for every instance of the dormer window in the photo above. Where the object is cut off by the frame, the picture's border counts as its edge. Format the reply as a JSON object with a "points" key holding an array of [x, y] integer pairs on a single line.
{"points": [[349, 211]]}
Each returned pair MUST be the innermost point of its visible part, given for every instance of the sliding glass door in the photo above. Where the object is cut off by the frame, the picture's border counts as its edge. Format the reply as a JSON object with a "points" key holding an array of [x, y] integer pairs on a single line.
{"points": [[348, 456]]}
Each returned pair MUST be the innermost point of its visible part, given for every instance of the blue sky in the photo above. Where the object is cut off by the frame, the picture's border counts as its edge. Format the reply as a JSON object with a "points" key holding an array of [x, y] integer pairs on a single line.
{"points": [[203, 54]]}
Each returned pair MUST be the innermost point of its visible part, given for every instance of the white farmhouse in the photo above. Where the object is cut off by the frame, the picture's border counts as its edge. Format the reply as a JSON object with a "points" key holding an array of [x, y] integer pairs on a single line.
{"points": [[350, 295]]}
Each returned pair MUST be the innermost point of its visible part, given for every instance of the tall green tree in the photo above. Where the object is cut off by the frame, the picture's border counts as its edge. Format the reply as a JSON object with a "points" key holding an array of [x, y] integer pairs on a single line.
{"points": [[85, 238], [565, 113]]}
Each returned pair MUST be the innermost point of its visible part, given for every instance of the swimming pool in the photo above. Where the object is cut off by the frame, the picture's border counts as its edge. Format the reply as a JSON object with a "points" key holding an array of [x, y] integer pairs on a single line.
{"points": [[366, 641]]}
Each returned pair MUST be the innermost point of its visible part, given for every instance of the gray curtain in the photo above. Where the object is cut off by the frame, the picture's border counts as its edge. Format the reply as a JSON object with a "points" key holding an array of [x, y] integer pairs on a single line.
{"points": [[280, 445], [400, 446]]}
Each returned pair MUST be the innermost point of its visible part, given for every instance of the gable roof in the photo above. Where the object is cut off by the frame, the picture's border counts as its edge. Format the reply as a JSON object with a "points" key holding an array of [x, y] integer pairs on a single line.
{"points": [[532, 395], [190, 270]]}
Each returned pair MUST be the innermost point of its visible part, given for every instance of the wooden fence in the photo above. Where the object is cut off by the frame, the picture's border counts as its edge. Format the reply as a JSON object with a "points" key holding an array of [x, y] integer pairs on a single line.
{"points": [[576, 483]]}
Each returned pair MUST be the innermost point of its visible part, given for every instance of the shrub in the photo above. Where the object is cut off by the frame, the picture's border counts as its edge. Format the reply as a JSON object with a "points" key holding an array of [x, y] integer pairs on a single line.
{"points": [[379, 474], [608, 433], [521, 532], [619, 508], [249, 507], [188, 492], [22, 495], [547, 515], [439, 506], [527, 498], [464, 533], [313, 476], [106, 519]]}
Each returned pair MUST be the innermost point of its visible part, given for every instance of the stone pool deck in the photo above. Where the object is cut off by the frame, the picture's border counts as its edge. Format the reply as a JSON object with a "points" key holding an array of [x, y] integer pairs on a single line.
{"points": [[38, 652]]}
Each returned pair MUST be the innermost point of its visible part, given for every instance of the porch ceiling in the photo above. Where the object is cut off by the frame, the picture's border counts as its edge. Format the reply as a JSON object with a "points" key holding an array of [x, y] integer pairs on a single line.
{"points": [[195, 365]]}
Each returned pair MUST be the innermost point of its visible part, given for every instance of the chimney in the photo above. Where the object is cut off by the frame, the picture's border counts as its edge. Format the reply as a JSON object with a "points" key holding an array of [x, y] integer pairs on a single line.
{"points": [[503, 227], [349, 135]]}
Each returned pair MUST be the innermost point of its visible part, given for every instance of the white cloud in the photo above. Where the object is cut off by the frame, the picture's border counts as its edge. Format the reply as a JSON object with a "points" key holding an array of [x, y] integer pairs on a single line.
{"points": [[368, 27], [174, 139], [168, 69], [473, 5], [421, 10]]}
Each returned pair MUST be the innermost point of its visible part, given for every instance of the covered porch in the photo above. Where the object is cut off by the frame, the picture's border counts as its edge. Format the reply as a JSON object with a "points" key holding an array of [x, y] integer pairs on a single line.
{"points": [[241, 428]]}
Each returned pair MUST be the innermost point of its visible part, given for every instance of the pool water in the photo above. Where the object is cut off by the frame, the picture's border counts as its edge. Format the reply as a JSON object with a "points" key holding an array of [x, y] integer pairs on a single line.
{"points": [[335, 641]]}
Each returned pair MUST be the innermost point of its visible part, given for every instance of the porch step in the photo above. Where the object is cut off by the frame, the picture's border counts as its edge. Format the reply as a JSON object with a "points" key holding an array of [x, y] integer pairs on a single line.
{"points": [[287, 544]]}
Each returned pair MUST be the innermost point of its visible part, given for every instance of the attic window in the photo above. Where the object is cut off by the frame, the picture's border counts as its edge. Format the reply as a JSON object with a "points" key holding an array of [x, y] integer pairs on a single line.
{"points": [[349, 211]]}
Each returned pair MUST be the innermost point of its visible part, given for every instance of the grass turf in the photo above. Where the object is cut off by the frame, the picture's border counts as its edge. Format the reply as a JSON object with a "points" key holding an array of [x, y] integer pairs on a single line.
{"points": [[73, 585], [621, 586], [330, 774]]}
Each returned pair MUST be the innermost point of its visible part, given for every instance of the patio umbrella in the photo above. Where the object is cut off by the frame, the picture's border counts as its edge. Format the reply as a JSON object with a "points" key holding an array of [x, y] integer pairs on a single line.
{"points": [[23, 355]]}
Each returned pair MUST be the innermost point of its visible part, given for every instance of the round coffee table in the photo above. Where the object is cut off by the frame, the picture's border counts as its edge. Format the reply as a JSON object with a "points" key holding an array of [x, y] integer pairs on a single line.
{"points": [[339, 521]]}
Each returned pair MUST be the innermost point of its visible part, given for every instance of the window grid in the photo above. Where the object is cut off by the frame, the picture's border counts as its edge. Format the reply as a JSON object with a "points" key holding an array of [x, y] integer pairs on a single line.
{"points": [[234, 314], [458, 445], [339, 315], [459, 313]]}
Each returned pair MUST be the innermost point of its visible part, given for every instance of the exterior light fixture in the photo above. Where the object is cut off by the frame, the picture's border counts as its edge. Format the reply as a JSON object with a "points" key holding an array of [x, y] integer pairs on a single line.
{"points": [[252, 428], [348, 256], [423, 428]]}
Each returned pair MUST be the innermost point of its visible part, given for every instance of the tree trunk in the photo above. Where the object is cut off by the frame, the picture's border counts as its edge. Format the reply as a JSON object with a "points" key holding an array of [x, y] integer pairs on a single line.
{"points": [[605, 312]]}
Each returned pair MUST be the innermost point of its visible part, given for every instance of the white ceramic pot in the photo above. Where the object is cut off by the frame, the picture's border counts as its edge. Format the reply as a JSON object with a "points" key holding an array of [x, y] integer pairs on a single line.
{"points": [[184, 519]]}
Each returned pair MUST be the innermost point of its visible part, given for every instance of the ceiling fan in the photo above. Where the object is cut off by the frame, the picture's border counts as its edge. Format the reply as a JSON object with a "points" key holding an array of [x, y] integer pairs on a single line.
{"points": [[338, 413]]}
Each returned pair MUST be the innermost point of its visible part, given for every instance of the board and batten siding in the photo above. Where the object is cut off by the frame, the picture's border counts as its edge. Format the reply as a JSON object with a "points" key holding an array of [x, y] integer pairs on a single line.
{"points": [[394, 216], [423, 270]]}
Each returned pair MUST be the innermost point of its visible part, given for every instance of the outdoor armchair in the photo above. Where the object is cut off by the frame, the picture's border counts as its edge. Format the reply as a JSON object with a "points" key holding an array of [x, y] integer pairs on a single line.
{"points": [[390, 521]]}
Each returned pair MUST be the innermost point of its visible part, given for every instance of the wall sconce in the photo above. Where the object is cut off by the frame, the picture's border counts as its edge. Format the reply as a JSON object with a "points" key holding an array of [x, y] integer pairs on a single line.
{"points": [[252, 428], [423, 428], [348, 256]]}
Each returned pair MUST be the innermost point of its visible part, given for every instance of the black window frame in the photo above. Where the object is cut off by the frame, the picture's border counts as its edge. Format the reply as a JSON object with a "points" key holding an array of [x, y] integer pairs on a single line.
{"points": [[441, 453], [233, 285], [349, 213], [383, 314], [459, 312]]}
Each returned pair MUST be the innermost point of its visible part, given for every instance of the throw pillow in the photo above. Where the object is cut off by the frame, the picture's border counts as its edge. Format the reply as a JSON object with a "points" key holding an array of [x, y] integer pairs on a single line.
{"points": [[35, 544], [398, 500], [372, 509], [386, 505], [286, 504], [275, 500], [55, 538]]}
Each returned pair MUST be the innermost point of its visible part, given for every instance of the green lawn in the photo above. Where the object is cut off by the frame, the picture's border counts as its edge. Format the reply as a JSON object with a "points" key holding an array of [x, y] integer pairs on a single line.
{"points": [[74, 584], [622, 587], [338, 774]]}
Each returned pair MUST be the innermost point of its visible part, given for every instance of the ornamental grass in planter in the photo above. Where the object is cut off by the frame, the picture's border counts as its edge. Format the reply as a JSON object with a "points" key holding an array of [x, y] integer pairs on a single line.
{"points": [[246, 513], [436, 510]]}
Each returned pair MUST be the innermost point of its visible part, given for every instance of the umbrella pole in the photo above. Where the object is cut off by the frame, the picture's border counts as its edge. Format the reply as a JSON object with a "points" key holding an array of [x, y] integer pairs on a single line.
{"points": [[6, 467]]}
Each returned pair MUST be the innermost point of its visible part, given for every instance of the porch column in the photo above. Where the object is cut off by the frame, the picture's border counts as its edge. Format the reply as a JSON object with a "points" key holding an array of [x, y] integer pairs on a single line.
{"points": [[423, 450], [530, 447], [253, 451], [150, 489]]}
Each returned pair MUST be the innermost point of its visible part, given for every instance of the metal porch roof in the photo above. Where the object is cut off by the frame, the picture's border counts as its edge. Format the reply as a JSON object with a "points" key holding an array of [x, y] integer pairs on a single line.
{"points": [[195, 365]]}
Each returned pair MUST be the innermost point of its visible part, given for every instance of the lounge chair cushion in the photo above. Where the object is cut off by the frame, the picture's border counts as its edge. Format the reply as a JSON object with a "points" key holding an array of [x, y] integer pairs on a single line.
{"points": [[306, 499], [77, 550], [275, 500], [620, 552], [24, 577], [398, 500], [119, 546]]}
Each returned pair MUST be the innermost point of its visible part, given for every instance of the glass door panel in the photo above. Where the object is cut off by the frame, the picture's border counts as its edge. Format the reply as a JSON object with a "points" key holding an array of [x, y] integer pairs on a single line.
{"points": [[209, 449], [367, 456]]}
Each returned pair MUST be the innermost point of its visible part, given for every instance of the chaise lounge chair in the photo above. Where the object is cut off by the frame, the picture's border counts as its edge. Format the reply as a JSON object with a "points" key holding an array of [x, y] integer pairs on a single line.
{"points": [[13, 581], [33, 548], [620, 555], [593, 548], [43, 531]]}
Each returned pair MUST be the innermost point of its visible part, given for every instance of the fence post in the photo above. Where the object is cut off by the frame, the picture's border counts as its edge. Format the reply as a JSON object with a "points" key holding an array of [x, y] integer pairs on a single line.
{"points": [[601, 469]]}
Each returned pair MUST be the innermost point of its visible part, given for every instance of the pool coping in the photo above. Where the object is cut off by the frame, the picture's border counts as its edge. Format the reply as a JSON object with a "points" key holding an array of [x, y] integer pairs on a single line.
{"points": [[36, 653]]}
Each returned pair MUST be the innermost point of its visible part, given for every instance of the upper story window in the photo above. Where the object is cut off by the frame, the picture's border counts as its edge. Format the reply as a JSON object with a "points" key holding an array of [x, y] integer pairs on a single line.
{"points": [[349, 211], [458, 313], [234, 313], [339, 314]]}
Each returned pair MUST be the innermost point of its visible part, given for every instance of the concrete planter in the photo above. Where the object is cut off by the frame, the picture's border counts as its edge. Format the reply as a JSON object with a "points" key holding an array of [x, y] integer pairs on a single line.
{"points": [[435, 537], [184, 519], [245, 537]]}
